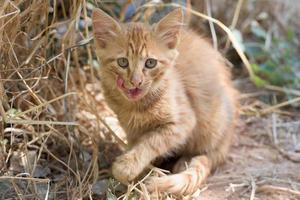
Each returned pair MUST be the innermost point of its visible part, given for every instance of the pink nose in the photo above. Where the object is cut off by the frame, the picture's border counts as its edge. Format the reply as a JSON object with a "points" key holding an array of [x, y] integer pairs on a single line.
{"points": [[136, 80]]}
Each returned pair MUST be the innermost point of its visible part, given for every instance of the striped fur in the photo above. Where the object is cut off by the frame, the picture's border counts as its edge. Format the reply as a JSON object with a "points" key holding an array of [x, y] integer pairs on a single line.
{"points": [[187, 106]]}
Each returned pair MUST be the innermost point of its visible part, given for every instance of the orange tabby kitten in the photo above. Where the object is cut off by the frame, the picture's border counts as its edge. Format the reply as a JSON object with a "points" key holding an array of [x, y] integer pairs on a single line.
{"points": [[172, 94]]}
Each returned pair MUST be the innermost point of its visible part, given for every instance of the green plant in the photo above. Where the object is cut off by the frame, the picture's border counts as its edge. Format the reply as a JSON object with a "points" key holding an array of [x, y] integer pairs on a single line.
{"points": [[275, 58]]}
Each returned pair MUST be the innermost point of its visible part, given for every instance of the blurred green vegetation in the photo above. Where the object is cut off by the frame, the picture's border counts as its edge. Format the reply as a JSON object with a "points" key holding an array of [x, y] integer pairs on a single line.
{"points": [[275, 58]]}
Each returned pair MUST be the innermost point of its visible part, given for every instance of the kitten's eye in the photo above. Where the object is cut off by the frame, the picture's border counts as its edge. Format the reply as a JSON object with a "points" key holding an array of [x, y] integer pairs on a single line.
{"points": [[150, 63], [123, 62]]}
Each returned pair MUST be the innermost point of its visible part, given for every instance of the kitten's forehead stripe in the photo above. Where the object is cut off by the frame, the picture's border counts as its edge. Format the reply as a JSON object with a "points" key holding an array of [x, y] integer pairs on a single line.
{"points": [[137, 40], [131, 49]]}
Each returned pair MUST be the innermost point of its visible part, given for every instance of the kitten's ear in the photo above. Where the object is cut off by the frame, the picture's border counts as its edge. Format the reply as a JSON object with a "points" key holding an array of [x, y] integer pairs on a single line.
{"points": [[104, 27], [168, 28]]}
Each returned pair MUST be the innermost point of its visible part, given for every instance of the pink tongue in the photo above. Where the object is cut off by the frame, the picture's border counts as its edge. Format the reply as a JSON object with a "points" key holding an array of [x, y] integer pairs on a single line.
{"points": [[120, 82]]}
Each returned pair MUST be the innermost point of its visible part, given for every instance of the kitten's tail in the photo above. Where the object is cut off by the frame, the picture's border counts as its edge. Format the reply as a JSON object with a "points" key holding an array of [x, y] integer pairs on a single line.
{"points": [[185, 182]]}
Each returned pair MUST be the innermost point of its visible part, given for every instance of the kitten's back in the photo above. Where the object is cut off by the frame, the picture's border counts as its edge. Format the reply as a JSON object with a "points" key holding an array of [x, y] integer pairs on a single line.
{"points": [[207, 83]]}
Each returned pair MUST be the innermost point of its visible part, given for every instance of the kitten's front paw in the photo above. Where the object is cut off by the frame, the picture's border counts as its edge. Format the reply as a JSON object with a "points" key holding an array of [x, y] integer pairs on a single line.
{"points": [[125, 169]]}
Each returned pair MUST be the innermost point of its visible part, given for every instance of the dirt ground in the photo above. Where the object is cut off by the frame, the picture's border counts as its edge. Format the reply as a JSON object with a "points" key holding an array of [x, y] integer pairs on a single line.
{"points": [[252, 163], [264, 159]]}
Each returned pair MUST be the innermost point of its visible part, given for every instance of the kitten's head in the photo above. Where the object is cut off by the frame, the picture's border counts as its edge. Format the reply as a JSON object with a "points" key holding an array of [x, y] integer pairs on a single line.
{"points": [[135, 56]]}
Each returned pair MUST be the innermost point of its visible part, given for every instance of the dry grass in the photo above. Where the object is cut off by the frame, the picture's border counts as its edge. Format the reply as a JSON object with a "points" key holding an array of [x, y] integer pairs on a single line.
{"points": [[40, 53], [57, 136]]}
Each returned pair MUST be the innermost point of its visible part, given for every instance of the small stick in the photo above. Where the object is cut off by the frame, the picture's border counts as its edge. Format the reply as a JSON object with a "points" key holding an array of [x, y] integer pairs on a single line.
{"points": [[88, 46], [25, 178], [15, 13], [272, 108], [211, 25], [251, 95], [36, 122], [44, 104], [234, 20], [253, 190], [274, 128], [294, 157], [2, 113], [272, 188], [285, 90]]}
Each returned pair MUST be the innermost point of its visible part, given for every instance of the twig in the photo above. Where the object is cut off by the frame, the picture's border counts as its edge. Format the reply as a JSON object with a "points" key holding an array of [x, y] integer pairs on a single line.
{"points": [[251, 95], [272, 188], [130, 189], [272, 108], [253, 190], [21, 121], [234, 21], [285, 90], [232, 186], [67, 68], [2, 113], [236, 13], [86, 29], [24, 178], [288, 124], [294, 157], [274, 128], [15, 13], [44, 104], [211, 25]]}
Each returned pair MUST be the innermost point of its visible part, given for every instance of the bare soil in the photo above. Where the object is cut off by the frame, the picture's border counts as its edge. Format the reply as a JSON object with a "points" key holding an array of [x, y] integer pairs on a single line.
{"points": [[252, 163]]}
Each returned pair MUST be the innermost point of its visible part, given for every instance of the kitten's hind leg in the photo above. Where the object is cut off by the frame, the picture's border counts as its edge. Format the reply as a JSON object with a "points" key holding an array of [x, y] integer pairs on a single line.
{"points": [[189, 178]]}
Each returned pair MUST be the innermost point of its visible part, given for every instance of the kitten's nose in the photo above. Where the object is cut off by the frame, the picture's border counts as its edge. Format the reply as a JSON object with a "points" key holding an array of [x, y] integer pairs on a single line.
{"points": [[136, 80]]}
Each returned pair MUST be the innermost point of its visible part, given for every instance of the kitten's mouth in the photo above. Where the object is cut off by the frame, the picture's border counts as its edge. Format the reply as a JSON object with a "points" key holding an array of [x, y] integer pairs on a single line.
{"points": [[133, 94]]}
